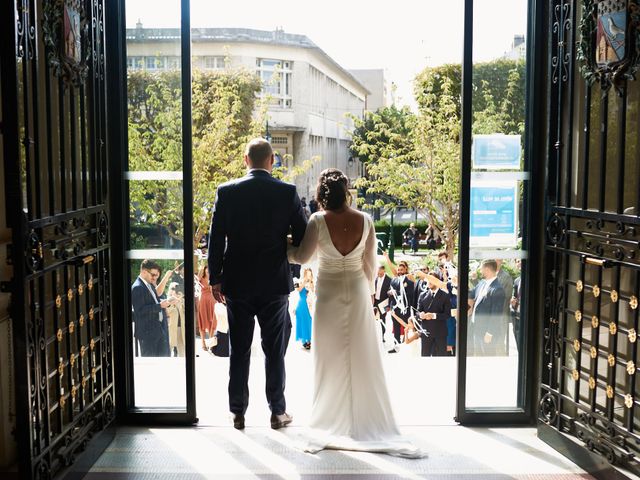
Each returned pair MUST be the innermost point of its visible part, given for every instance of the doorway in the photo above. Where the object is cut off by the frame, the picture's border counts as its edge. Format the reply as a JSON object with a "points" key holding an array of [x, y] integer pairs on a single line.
{"points": [[309, 104]]}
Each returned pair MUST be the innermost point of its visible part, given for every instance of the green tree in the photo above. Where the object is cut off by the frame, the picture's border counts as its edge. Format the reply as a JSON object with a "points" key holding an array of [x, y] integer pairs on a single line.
{"points": [[437, 144]]}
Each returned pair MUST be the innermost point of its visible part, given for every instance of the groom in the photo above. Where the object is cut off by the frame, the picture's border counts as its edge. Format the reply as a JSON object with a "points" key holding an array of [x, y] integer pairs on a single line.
{"points": [[249, 271]]}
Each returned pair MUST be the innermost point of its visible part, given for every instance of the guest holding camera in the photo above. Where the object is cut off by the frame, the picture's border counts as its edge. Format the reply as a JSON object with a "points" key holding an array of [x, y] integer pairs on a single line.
{"points": [[434, 309]]}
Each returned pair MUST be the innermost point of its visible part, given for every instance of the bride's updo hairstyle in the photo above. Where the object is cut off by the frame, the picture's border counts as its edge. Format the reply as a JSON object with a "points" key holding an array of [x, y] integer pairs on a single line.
{"points": [[332, 189]]}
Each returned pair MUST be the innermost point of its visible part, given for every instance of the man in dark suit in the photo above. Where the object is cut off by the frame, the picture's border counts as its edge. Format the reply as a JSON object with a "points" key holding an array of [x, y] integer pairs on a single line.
{"points": [[488, 326], [149, 312], [401, 299], [434, 306], [381, 296], [249, 271]]}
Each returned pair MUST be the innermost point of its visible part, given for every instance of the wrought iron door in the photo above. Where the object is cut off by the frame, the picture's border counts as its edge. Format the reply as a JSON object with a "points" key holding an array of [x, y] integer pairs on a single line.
{"points": [[589, 387], [54, 105]]}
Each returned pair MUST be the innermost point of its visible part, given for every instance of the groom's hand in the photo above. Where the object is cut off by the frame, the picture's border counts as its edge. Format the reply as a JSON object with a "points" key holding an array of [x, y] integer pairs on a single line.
{"points": [[217, 293]]}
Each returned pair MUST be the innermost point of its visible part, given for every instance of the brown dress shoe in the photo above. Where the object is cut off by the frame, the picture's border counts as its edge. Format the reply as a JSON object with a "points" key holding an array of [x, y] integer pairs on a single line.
{"points": [[238, 421], [279, 421]]}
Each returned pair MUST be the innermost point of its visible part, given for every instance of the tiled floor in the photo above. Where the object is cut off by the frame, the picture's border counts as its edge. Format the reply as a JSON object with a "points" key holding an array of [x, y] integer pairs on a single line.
{"points": [[221, 452]]}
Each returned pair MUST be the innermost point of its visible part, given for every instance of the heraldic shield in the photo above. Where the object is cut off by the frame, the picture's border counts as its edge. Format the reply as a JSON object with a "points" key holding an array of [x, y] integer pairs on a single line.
{"points": [[610, 43], [611, 33]]}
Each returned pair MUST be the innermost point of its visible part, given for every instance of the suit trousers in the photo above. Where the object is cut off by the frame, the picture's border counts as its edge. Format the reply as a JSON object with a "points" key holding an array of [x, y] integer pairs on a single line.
{"points": [[434, 345], [272, 312], [397, 328], [383, 316]]}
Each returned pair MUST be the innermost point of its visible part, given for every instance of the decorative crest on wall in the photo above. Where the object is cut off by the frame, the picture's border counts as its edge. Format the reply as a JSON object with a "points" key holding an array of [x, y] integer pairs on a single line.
{"points": [[610, 41], [66, 31]]}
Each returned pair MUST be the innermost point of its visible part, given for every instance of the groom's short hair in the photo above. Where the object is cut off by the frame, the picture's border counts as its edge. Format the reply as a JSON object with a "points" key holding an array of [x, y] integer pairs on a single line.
{"points": [[258, 150]]}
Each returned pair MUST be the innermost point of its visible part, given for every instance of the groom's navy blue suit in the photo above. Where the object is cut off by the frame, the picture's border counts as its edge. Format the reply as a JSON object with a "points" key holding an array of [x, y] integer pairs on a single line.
{"points": [[248, 256]]}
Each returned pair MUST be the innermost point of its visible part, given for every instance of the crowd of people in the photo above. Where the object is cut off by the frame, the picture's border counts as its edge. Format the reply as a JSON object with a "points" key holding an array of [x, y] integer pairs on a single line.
{"points": [[416, 310], [423, 304], [159, 313]]}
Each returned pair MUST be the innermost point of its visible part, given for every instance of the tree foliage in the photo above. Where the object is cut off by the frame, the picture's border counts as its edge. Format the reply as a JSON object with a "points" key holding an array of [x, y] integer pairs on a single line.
{"points": [[413, 160], [223, 120]]}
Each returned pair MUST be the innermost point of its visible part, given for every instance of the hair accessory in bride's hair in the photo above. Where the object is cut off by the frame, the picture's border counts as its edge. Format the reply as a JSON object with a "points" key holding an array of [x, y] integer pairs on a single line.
{"points": [[332, 189]]}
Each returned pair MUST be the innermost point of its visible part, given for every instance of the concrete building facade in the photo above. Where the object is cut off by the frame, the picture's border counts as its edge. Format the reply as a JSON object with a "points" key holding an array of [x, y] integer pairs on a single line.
{"points": [[310, 95], [374, 80]]}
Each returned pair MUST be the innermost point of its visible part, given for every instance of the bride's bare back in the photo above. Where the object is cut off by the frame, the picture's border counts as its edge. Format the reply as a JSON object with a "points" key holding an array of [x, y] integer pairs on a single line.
{"points": [[345, 227]]}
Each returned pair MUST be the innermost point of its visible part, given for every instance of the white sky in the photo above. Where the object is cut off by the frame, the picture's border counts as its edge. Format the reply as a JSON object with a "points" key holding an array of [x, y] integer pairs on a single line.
{"points": [[401, 36]]}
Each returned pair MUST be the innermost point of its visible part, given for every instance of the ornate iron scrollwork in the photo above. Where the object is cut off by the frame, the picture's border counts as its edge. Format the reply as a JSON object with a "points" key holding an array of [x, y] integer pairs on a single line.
{"points": [[35, 253], [548, 408], [103, 228], [556, 229]]}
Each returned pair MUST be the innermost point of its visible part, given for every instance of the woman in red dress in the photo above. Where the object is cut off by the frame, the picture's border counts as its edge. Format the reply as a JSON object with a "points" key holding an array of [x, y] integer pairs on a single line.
{"points": [[206, 311]]}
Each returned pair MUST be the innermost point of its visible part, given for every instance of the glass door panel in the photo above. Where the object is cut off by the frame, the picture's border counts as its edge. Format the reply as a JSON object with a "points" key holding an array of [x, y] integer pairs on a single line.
{"points": [[159, 240], [495, 237]]}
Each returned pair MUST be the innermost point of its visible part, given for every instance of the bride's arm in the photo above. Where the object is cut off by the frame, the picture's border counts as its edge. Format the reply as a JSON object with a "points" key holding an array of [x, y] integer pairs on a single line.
{"points": [[303, 253], [370, 256]]}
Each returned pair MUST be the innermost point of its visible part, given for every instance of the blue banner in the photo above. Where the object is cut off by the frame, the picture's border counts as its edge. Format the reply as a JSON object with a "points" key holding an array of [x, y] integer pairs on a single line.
{"points": [[496, 152], [494, 208]]}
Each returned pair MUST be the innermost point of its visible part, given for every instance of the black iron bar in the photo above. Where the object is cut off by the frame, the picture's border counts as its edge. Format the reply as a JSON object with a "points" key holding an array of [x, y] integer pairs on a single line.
{"points": [[34, 141], [604, 114], [613, 347], [586, 146], [596, 343], [61, 146], [73, 157], [621, 141], [569, 85], [634, 358], [84, 180], [49, 136]]}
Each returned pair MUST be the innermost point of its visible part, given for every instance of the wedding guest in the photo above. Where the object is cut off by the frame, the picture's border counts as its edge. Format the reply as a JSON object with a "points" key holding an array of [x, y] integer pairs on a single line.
{"points": [[176, 320], [516, 299], [431, 237], [487, 326], [410, 238], [452, 288], [306, 291], [206, 307], [411, 346], [435, 309], [149, 312], [381, 296], [401, 299]]}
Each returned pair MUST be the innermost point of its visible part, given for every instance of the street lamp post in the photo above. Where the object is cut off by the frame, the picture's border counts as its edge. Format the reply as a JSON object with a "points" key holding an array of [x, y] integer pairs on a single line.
{"points": [[267, 135]]}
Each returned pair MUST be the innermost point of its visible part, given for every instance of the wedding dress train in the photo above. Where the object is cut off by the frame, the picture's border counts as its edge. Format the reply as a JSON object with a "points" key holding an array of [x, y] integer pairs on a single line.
{"points": [[351, 406]]}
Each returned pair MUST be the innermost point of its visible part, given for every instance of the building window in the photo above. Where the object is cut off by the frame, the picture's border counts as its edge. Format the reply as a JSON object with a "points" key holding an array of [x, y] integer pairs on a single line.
{"points": [[134, 63], [279, 140], [154, 63], [173, 63], [276, 80], [214, 63]]}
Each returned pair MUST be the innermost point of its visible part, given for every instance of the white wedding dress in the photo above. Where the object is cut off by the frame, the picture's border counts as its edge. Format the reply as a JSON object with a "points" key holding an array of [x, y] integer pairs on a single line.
{"points": [[351, 407]]}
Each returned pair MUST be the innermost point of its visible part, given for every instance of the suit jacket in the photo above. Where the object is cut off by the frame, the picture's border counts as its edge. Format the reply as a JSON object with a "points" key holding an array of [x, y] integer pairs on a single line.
{"points": [[384, 290], [248, 236], [145, 313], [488, 314], [409, 289], [420, 287], [439, 303]]}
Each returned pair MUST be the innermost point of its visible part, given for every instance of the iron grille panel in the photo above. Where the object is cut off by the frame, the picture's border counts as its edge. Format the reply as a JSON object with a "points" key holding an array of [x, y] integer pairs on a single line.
{"points": [[589, 386], [67, 391]]}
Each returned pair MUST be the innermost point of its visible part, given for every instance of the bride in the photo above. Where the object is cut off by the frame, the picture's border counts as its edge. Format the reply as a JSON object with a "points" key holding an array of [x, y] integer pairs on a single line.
{"points": [[351, 406]]}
